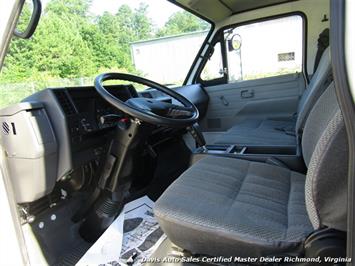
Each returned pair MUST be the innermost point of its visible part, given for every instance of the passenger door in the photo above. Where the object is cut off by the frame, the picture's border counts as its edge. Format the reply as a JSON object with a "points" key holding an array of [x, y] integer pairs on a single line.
{"points": [[255, 71]]}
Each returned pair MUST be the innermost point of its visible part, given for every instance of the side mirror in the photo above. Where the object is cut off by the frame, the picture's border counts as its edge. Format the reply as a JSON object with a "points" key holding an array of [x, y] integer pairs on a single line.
{"points": [[33, 22], [235, 43]]}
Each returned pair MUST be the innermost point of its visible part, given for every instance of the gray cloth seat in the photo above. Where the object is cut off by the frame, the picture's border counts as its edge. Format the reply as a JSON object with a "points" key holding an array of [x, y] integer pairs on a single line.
{"points": [[281, 132], [231, 207], [221, 201], [266, 124], [260, 132]]}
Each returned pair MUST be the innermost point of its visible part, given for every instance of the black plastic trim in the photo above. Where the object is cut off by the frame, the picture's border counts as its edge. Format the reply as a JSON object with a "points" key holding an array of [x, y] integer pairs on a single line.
{"points": [[345, 100], [32, 25], [197, 79]]}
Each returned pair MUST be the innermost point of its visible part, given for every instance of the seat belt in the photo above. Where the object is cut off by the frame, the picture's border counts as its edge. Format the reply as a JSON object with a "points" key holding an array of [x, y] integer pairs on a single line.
{"points": [[323, 43], [287, 130]]}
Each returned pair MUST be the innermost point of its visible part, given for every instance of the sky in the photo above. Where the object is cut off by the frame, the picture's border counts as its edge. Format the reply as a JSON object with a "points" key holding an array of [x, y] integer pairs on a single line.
{"points": [[159, 10]]}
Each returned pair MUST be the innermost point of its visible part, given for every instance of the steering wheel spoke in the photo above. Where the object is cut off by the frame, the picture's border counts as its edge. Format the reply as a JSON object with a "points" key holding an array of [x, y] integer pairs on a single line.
{"points": [[179, 111]]}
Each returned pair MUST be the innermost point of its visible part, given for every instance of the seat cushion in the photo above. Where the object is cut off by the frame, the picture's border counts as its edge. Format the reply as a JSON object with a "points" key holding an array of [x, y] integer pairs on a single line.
{"points": [[260, 132], [225, 206], [267, 124]]}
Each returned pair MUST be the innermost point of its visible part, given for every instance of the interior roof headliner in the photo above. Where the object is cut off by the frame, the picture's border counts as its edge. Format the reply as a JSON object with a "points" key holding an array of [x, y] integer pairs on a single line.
{"points": [[216, 10]]}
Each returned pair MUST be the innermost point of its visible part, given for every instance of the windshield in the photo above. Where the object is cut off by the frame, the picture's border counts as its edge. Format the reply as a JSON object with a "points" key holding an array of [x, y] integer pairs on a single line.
{"points": [[79, 39]]}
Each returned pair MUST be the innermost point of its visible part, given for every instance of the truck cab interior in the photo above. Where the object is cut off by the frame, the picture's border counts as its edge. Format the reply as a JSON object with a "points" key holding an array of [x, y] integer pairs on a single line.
{"points": [[237, 164]]}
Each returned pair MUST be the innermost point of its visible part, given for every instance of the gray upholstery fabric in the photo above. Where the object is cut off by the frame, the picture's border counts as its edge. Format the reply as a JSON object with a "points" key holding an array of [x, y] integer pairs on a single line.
{"points": [[325, 150], [282, 132], [268, 124], [260, 132], [255, 137], [319, 82], [319, 118], [224, 206]]}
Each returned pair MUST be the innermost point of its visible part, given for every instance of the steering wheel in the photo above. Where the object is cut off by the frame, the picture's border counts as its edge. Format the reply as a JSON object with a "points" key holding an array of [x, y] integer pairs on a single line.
{"points": [[150, 110]]}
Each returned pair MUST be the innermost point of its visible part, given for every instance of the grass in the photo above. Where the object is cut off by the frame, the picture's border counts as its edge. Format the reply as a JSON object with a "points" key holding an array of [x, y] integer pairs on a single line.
{"points": [[11, 96]]}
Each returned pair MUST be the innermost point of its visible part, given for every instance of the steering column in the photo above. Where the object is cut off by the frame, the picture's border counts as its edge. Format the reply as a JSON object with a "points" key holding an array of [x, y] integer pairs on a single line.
{"points": [[142, 114]]}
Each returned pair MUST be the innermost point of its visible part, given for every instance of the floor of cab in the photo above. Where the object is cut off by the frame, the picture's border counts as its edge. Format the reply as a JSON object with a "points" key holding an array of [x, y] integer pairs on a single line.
{"points": [[58, 236], [169, 254]]}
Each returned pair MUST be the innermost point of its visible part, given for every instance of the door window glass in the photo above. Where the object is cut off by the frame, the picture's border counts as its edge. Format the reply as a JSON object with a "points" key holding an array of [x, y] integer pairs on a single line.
{"points": [[214, 66], [265, 49]]}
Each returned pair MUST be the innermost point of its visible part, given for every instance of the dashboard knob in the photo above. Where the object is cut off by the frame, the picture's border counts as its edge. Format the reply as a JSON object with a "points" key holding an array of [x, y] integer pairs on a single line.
{"points": [[124, 123], [109, 119]]}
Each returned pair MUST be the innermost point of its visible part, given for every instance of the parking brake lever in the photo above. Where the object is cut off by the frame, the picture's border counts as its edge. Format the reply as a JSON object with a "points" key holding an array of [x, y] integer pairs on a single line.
{"points": [[196, 133]]}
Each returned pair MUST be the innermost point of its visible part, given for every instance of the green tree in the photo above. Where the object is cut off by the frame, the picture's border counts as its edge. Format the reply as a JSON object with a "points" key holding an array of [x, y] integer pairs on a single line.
{"points": [[71, 42], [19, 61], [61, 50], [69, 7], [142, 25], [182, 22], [104, 53], [123, 28]]}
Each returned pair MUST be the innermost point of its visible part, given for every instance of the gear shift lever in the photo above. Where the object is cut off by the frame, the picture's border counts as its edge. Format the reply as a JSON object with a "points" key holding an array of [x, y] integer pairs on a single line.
{"points": [[196, 133]]}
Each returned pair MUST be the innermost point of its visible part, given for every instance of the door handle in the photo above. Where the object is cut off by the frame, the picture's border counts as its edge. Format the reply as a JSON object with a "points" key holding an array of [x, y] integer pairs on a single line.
{"points": [[224, 100], [247, 94]]}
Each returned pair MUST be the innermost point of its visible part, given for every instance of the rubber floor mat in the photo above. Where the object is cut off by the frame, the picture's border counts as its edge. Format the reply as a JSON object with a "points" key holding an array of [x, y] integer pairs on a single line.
{"points": [[134, 235]]}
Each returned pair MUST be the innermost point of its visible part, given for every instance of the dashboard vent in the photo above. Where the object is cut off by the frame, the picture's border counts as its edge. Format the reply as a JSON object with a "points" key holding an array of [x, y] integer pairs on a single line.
{"points": [[5, 128], [65, 102]]}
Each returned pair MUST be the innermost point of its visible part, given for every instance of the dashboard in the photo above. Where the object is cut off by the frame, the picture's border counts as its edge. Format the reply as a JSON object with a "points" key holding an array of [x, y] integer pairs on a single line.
{"points": [[62, 130], [75, 112], [84, 108]]}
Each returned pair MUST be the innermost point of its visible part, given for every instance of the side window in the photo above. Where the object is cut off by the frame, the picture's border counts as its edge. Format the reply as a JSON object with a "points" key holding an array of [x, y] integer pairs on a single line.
{"points": [[265, 49], [213, 69]]}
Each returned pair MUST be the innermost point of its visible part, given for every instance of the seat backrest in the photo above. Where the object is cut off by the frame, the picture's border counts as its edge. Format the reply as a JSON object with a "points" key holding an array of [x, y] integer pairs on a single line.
{"points": [[325, 152], [319, 82]]}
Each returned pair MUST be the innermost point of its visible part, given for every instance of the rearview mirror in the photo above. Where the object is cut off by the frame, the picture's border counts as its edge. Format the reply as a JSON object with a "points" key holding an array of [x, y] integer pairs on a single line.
{"points": [[235, 43], [29, 18]]}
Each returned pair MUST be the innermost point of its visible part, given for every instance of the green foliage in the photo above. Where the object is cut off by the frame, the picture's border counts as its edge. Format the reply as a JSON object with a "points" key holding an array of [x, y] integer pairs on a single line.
{"points": [[69, 8], [181, 22], [69, 57], [70, 42]]}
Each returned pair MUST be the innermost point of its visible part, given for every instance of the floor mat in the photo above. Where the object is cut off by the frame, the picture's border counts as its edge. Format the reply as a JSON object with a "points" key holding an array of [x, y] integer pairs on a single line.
{"points": [[134, 235]]}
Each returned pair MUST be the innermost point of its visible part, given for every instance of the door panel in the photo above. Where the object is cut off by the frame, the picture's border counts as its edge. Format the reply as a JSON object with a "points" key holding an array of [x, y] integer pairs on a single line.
{"points": [[275, 97]]}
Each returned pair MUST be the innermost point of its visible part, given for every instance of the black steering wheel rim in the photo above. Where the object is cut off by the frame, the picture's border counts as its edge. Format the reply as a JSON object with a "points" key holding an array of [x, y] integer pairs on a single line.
{"points": [[139, 113]]}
